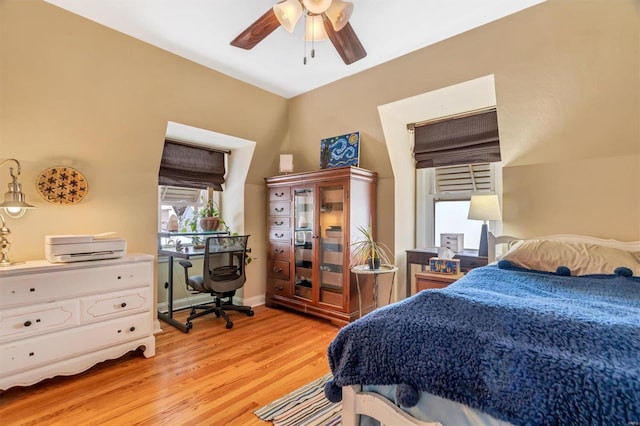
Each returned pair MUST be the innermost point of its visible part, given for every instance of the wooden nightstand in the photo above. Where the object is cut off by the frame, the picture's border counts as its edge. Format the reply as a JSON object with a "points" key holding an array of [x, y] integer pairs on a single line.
{"points": [[425, 280], [469, 259]]}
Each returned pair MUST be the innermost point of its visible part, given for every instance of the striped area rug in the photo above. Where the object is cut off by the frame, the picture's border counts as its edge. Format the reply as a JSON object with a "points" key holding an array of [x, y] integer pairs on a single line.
{"points": [[305, 406]]}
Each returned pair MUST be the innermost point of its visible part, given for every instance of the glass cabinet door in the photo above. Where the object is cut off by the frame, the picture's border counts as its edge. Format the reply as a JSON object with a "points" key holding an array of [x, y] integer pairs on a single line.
{"points": [[332, 245], [303, 240]]}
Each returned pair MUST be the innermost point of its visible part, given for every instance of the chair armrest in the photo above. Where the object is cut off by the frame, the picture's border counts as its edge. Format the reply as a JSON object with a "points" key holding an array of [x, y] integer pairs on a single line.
{"points": [[185, 264]]}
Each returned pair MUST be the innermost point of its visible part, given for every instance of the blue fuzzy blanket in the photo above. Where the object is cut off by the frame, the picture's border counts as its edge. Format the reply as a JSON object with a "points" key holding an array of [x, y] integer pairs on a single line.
{"points": [[529, 348]]}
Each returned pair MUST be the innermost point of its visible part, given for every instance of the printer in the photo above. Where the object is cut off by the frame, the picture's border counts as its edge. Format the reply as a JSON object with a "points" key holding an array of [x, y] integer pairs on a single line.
{"points": [[78, 248]]}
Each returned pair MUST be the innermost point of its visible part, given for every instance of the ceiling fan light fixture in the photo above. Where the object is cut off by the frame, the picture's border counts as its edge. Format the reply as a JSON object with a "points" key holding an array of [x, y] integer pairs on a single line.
{"points": [[314, 29], [339, 13], [288, 13], [316, 6]]}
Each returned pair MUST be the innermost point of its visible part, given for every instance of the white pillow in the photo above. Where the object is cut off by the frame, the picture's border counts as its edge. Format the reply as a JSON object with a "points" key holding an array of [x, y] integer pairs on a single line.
{"points": [[580, 258]]}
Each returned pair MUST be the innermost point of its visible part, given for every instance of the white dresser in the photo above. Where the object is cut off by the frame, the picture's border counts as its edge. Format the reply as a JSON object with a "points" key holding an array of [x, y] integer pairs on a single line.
{"points": [[61, 319]]}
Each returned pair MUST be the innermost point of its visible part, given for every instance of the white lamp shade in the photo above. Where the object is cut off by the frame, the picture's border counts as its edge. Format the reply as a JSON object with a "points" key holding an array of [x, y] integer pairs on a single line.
{"points": [[339, 13], [316, 6], [484, 207], [314, 28], [288, 13]]}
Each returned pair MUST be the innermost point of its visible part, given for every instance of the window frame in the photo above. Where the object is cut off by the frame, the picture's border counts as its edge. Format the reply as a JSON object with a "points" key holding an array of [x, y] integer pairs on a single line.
{"points": [[202, 199], [426, 197]]}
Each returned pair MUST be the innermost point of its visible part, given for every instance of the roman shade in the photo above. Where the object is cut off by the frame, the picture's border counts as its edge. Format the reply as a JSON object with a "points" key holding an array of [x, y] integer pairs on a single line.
{"points": [[465, 139], [191, 166]]}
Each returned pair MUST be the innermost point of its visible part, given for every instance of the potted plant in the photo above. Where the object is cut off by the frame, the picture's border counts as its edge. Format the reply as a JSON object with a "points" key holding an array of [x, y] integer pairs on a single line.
{"points": [[367, 251], [207, 216]]}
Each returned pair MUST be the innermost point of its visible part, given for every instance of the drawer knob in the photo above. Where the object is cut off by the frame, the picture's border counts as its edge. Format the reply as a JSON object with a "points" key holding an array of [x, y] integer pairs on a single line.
{"points": [[279, 222], [123, 305], [279, 209], [279, 235], [278, 251], [277, 270], [278, 288], [132, 329], [27, 323], [279, 194]]}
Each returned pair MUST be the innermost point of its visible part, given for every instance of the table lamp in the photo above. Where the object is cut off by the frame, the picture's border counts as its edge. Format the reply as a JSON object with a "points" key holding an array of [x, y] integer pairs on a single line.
{"points": [[14, 205], [484, 207]]}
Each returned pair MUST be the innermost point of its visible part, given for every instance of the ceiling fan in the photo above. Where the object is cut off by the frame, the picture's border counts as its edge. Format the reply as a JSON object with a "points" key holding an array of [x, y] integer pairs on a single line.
{"points": [[323, 19]]}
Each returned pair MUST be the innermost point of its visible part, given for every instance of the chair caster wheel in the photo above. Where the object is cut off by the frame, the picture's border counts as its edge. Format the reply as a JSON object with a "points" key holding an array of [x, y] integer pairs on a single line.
{"points": [[217, 314], [229, 325], [250, 313], [189, 326]]}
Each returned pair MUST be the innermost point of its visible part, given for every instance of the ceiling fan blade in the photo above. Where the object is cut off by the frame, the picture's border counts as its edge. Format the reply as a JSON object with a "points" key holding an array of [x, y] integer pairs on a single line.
{"points": [[257, 31], [345, 41]]}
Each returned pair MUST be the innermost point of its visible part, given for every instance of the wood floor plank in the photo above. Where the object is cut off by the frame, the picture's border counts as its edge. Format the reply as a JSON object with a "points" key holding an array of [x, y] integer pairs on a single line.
{"points": [[210, 376]]}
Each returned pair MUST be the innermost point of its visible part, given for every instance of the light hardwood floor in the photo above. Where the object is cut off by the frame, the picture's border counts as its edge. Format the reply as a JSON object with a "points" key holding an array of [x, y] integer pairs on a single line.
{"points": [[211, 376]]}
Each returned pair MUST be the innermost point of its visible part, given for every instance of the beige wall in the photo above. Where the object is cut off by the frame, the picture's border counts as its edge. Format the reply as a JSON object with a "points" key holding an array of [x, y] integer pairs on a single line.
{"points": [[79, 94], [567, 80]]}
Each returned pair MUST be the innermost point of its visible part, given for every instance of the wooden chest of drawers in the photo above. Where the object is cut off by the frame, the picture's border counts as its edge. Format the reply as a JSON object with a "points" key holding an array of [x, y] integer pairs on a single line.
{"points": [[310, 217]]}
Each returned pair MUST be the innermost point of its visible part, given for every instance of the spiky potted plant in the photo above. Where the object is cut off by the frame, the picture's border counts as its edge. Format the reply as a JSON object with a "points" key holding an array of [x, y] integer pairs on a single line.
{"points": [[368, 251]]}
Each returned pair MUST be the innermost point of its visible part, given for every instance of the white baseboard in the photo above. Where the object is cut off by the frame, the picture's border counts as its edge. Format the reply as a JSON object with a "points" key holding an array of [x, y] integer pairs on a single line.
{"points": [[252, 301], [185, 302], [205, 298]]}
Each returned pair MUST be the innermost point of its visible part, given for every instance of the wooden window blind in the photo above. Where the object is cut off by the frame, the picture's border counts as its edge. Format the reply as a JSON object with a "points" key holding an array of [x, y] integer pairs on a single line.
{"points": [[191, 166], [464, 139]]}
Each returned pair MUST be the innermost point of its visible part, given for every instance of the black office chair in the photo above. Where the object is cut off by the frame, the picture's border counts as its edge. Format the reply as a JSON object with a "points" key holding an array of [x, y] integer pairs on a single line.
{"points": [[223, 273]]}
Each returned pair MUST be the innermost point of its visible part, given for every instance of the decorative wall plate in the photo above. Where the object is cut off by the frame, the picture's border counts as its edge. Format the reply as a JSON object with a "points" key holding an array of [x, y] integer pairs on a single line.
{"points": [[62, 185]]}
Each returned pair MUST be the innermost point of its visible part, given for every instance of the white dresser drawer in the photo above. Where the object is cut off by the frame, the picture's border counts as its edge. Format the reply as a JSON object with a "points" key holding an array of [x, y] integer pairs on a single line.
{"points": [[40, 350], [27, 321], [43, 287], [103, 306]]}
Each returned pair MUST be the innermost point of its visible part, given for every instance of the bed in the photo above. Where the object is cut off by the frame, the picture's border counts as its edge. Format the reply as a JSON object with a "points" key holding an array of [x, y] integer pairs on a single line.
{"points": [[550, 334]]}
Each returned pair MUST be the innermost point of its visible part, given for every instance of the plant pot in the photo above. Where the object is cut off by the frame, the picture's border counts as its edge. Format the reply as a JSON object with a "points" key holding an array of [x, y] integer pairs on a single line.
{"points": [[209, 223], [374, 263]]}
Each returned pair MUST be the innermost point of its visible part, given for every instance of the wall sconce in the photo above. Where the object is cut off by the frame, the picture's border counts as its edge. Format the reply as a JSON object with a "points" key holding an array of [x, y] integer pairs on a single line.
{"points": [[484, 207], [14, 204]]}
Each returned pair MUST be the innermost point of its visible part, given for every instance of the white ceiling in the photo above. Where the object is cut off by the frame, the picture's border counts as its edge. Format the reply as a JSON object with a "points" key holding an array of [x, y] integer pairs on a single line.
{"points": [[200, 30]]}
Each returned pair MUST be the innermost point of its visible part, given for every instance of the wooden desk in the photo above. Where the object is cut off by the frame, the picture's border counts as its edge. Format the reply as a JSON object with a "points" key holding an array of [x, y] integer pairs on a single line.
{"points": [[469, 259], [187, 252]]}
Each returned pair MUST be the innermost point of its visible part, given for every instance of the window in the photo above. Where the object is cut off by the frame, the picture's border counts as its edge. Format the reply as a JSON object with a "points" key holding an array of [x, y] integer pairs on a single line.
{"points": [[455, 156], [443, 196], [450, 216], [189, 175], [181, 202], [184, 203]]}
